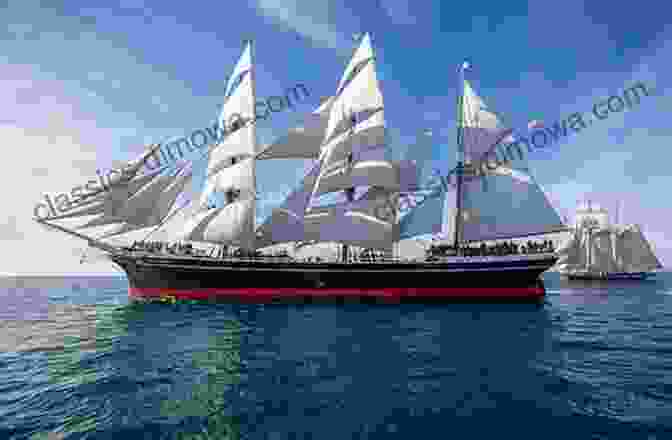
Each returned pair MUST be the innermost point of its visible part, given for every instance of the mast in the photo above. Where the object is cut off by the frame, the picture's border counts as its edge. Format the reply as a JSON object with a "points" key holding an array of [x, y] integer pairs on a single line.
{"points": [[614, 238], [589, 262], [253, 239], [460, 155]]}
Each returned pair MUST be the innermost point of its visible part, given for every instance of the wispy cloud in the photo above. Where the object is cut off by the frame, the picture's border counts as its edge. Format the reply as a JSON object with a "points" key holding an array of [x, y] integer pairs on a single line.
{"points": [[399, 11], [309, 18]]}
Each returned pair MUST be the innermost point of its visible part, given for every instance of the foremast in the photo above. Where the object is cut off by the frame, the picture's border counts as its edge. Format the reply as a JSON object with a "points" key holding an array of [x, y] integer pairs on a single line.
{"points": [[460, 157], [231, 169]]}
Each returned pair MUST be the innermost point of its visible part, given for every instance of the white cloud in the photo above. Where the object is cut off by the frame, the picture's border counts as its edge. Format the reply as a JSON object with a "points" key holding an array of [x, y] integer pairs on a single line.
{"points": [[46, 154], [307, 17], [29, 248]]}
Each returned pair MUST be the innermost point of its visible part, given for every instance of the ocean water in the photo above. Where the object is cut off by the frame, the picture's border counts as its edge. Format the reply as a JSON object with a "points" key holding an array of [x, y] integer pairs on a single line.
{"points": [[78, 361]]}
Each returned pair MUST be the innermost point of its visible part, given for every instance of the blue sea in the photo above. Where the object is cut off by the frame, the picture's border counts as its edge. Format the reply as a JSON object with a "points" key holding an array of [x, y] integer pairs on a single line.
{"points": [[78, 360]]}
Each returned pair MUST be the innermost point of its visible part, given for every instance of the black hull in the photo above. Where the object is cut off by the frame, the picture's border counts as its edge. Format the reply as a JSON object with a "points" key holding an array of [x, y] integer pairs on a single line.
{"points": [[492, 278]]}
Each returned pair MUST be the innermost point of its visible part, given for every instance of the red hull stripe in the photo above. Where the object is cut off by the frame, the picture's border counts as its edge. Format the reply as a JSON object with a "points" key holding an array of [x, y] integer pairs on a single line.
{"points": [[393, 293]]}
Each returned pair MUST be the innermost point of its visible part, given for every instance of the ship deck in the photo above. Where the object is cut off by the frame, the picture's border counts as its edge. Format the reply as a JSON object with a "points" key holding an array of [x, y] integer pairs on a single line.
{"points": [[507, 277], [311, 263]]}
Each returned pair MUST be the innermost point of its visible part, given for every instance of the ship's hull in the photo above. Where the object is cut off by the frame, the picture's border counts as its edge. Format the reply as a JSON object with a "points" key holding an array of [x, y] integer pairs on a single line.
{"points": [[589, 276], [470, 278]]}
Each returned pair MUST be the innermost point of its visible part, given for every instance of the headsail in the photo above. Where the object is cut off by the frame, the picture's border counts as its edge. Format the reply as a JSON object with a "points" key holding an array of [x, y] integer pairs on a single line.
{"points": [[125, 207], [156, 204]]}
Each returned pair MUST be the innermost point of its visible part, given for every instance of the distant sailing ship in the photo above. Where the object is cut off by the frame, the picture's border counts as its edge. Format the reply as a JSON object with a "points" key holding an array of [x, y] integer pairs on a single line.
{"points": [[346, 139], [599, 250]]}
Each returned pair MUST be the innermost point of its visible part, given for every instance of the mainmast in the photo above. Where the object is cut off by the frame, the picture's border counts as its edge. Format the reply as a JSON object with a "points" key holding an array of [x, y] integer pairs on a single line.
{"points": [[253, 239], [460, 155], [349, 192]]}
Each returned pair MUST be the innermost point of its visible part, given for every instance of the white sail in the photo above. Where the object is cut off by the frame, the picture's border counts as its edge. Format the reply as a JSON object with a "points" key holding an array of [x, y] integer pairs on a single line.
{"points": [[430, 212], [109, 200], [600, 247], [176, 223], [243, 68], [237, 177], [501, 203], [236, 145], [231, 167], [193, 227], [602, 252], [369, 169], [362, 94], [480, 128], [301, 142], [353, 150], [635, 253], [120, 209], [570, 253], [227, 225], [133, 167], [155, 211], [369, 222], [286, 223], [362, 55], [507, 205]]}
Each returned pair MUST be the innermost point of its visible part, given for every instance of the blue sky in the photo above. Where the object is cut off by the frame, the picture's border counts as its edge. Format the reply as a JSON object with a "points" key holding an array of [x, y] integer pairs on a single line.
{"points": [[86, 83]]}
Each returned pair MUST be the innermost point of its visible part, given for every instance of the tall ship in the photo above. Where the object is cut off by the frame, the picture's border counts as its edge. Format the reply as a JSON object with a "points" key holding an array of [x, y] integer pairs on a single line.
{"points": [[353, 198], [601, 250]]}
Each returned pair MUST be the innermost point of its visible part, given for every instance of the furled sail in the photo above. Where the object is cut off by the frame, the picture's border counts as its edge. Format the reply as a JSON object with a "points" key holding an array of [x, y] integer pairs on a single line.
{"points": [[301, 142]]}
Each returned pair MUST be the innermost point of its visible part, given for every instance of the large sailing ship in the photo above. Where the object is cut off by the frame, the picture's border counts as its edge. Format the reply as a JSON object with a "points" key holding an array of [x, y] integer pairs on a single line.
{"points": [[349, 197], [601, 250]]}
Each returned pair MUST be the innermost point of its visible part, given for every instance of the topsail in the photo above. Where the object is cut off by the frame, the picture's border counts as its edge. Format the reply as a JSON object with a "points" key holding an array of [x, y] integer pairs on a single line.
{"points": [[231, 168]]}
